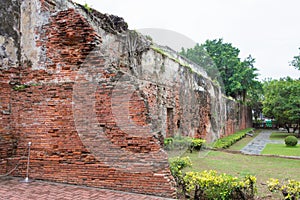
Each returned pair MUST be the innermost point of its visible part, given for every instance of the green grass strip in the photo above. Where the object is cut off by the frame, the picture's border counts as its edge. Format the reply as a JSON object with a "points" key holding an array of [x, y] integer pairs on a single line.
{"points": [[280, 135], [281, 149]]}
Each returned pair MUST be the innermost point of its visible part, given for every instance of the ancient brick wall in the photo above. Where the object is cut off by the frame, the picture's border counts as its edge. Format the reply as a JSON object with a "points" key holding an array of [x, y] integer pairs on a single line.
{"points": [[96, 100], [5, 134], [6, 139], [49, 104], [9, 74]]}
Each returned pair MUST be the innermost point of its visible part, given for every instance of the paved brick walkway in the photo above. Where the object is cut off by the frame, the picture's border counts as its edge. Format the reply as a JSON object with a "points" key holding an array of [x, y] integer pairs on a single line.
{"points": [[12, 189]]}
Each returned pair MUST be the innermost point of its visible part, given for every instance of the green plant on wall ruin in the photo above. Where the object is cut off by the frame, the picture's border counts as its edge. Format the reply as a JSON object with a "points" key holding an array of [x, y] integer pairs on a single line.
{"points": [[87, 7]]}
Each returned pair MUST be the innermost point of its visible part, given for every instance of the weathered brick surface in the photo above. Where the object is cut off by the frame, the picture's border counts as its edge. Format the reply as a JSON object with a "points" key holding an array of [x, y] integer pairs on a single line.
{"points": [[44, 116], [43, 113], [7, 140], [5, 136], [96, 107]]}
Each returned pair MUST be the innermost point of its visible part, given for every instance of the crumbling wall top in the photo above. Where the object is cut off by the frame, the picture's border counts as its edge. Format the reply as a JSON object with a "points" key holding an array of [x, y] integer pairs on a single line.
{"points": [[9, 33]]}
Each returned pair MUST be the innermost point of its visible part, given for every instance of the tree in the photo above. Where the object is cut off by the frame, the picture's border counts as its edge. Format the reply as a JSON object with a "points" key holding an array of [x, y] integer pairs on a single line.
{"points": [[243, 79], [222, 63], [255, 98], [296, 61], [282, 101], [200, 56]]}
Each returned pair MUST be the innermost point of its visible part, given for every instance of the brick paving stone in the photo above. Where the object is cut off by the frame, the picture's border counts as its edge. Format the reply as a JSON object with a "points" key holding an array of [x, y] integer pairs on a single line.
{"points": [[12, 189]]}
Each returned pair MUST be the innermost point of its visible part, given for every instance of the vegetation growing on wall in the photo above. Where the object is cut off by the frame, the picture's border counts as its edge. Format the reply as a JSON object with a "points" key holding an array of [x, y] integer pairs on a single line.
{"points": [[87, 7], [20, 87], [162, 52]]}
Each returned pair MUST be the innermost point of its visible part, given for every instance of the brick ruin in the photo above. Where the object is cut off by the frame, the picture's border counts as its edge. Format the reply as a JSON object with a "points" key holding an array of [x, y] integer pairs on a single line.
{"points": [[96, 99]]}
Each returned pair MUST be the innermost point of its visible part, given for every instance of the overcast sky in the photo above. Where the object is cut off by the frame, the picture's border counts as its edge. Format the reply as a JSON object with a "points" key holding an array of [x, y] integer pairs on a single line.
{"points": [[269, 30]]}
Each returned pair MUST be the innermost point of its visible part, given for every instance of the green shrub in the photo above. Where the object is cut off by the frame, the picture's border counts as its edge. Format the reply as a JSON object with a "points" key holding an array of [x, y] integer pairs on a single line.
{"points": [[290, 189], [177, 142], [87, 7], [176, 166], [291, 141], [196, 144], [168, 143], [226, 142], [181, 142], [211, 185]]}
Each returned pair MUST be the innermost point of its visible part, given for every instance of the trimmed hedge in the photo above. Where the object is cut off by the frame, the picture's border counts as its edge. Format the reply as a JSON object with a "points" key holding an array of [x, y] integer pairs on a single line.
{"points": [[226, 142], [291, 141]]}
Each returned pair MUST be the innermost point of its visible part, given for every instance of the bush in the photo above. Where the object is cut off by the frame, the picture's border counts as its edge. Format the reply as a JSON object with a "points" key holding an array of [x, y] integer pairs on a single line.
{"points": [[196, 144], [211, 185], [181, 142], [226, 142], [177, 164], [290, 189], [291, 141], [168, 143]]}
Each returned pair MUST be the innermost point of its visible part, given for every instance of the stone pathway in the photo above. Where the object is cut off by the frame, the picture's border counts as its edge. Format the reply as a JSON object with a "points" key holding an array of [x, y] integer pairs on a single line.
{"points": [[12, 189], [259, 142]]}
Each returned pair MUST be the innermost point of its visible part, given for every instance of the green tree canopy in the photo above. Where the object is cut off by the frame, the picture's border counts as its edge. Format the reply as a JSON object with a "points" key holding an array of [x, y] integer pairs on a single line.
{"points": [[282, 100], [296, 61], [222, 63], [255, 98]]}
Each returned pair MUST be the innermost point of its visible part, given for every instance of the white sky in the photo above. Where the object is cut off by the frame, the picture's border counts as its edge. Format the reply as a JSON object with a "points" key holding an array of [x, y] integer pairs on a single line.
{"points": [[269, 30]]}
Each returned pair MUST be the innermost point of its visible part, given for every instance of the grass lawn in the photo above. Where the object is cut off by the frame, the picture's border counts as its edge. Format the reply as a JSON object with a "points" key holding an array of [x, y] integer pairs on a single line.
{"points": [[240, 165], [281, 135], [281, 149], [243, 142]]}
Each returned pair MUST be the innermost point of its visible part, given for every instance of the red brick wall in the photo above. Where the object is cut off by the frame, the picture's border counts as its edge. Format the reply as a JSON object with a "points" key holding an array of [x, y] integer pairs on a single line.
{"points": [[8, 77], [45, 118], [238, 117], [6, 141], [96, 151], [90, 123]]}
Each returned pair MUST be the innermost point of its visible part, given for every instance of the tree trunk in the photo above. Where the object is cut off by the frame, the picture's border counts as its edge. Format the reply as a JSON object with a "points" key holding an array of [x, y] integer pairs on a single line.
{"points": [[287, 128], [244, 93], [295, 129]]}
